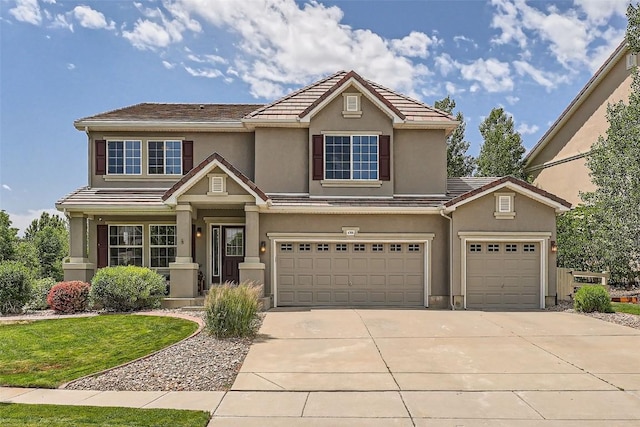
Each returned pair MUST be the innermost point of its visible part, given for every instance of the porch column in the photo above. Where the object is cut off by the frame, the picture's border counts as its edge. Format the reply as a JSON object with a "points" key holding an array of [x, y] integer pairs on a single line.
{"points": [[252, 269], [183, 272], [78, 266]]}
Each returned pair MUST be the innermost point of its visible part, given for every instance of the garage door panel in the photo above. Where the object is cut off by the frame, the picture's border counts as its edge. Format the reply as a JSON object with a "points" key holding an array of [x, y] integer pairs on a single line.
{"points": [[500, 275], [350, 274]]}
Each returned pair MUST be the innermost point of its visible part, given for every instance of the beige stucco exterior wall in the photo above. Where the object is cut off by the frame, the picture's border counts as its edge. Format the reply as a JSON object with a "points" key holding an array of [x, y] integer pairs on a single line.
{"points": [[282, 160], [392, 224], [236, 147], [330, 119], [420, 157], [478, 216], [577, 136]]}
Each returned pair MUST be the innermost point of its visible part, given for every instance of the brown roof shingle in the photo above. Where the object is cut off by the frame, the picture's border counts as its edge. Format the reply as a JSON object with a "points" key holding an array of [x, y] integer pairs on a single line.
{"points": [[177, 113]]}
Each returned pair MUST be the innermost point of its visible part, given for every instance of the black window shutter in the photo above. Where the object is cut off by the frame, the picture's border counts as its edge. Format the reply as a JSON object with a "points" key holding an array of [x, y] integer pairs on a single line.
{"points": [[187, 156], [101, 157], [384, 149], [317, 157], [103, 246]]}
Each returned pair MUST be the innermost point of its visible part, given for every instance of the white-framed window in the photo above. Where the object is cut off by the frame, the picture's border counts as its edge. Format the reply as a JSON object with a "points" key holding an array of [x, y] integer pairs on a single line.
{"points": [[165, 157], [351, 157], [124, 157], [125, 245], [504, 206], [234, 241], [162, 244]]}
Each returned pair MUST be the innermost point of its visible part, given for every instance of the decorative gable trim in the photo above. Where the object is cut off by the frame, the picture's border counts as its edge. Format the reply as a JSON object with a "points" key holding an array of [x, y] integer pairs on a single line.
{"points": [[201, 171], [510, 183], [352, 79]]}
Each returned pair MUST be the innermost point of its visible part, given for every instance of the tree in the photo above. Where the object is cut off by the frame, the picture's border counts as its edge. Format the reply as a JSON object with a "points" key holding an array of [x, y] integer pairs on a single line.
{"points": [[614, 161], [8, 237], [502, 150], [45, 220], [458, 162]]}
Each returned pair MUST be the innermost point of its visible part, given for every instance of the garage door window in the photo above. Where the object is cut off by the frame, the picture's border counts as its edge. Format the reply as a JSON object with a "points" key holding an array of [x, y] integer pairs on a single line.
{"points": [[304, 247], [528, 247], [341, 247], [510, 247], [286, 247], [396, 247], [322, 247], [475, 247], [414, 247], [493, 247], [359, 247], [377, 247]]}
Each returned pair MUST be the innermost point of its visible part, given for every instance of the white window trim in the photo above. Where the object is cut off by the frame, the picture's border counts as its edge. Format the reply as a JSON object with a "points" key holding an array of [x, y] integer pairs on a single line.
{"points": [[423, 238], [352, 113], [502, 214], [523, 237], [144, 175], [124, 157], [351, 182], [127, 246], [161, 246], [212, 177], [164, 150]]}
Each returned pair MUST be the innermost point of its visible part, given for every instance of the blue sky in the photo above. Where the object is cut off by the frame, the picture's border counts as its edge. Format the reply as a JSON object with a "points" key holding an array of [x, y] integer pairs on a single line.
{"points": [[63, 60]]}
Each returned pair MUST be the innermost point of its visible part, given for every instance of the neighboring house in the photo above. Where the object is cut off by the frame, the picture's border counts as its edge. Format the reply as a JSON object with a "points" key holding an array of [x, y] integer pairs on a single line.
{"points": [[335, 195], [557, 163]]}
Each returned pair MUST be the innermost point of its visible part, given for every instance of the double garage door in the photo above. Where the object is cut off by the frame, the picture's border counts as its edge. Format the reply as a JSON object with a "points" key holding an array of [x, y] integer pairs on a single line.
{"points": [[503, 275], [350, 274]]}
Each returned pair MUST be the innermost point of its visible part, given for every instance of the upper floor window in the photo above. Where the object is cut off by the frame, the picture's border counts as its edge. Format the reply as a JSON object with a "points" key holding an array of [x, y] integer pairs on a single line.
{"points": [[351, 157], [124, 157], [165, 157]]}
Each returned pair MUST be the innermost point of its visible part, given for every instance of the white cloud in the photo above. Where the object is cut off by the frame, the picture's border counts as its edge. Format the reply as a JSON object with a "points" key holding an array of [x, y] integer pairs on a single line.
{"points": [[22, 221], [506, 20], [27, 11], [71, 66], [543, 78], [512, 100], [213, 59], [599, 11], [6, 187], [209, 73], [49, 1], [452, 88], [59, 21], [282, 43], [459, 39], [148, 35], [525, 129], [90, 18], [491, 74], [415, 44], [445, 64], [168, 65]]}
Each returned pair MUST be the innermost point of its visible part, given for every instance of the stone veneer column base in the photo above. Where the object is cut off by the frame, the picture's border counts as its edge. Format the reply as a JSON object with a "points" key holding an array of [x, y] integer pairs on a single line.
{"points": [[183, 280]]}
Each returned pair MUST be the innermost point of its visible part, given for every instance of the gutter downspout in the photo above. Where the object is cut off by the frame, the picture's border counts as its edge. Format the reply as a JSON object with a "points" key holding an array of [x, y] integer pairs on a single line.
{"points": [[450, 258], [89, 155]]}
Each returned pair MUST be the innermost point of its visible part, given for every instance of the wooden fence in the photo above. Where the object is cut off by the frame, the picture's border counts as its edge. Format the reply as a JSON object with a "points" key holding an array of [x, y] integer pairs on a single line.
{"points": [[569, 281]]}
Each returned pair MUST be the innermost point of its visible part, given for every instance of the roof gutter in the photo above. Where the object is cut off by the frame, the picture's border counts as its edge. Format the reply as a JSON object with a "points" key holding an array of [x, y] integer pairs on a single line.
{"points": [[156, 124]]}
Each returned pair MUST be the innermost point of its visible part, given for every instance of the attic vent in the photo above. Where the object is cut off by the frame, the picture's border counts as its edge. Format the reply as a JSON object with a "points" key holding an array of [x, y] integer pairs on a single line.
{"points": [[504, 204], [632, 60], [351, 107], [352, 103], [201, 107], [217, 184]]}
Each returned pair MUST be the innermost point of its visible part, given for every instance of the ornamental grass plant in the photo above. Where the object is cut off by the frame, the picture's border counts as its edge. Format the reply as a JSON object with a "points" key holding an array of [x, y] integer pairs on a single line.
{"points": [[232, 310]]}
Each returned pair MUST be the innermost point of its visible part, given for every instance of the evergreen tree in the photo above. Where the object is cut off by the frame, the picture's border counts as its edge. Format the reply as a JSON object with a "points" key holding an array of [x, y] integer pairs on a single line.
{"points": [[502, 150], [458, 162]]}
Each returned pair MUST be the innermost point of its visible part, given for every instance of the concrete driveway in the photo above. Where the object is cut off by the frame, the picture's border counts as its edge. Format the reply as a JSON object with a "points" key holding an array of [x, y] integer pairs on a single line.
{"points": [[421, 367]]}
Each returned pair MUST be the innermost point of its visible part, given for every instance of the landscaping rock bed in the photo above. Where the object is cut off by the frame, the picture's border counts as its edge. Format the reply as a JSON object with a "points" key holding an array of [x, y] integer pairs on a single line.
{"points": [[199, 363]]}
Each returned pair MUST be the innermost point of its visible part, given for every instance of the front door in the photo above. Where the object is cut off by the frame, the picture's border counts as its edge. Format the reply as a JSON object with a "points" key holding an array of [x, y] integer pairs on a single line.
{"points": [[232, 253]]}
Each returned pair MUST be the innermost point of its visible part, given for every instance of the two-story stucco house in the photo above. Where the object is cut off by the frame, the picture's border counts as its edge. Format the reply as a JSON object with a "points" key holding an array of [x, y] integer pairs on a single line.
{"points": [[335, 195]]}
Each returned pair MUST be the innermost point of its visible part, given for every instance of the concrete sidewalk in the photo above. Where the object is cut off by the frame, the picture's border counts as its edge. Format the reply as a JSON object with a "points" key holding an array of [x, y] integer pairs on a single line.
{"points": [[413, 368]]}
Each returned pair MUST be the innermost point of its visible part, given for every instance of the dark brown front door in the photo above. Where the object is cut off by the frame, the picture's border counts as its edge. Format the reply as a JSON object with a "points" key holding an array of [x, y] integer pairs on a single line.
{"points": [[232, 253]]}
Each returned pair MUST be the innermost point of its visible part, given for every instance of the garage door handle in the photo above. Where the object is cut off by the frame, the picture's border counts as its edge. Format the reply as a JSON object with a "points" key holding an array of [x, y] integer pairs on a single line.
{"points": [[350, 284]]}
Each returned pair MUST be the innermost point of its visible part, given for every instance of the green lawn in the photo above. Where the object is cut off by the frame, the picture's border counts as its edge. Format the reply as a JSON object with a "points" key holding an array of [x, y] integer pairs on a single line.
{"points": [[621, 307], [14, 415], [48, 353]]}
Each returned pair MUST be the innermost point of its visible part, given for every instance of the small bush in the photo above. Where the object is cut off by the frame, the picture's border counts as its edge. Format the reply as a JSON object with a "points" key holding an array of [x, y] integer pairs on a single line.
{"points": [[592, 298], [69, 297], [127, 288], [39, 292], [15, 286], [232, 310]]}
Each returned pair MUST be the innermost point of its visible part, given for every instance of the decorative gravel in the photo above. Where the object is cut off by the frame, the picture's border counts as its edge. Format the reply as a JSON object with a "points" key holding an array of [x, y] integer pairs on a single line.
{"points": [[199, 363], [623, 319]]}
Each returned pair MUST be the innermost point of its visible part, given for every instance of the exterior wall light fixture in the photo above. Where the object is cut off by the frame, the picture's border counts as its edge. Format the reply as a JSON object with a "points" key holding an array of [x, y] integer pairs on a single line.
{"points": [[263, 247], [199, 232], [554, 246]]}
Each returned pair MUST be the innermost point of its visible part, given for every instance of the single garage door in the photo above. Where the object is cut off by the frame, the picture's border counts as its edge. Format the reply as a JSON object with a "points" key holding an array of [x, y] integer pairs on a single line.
{"points": [[503, 275], [365, 274]]}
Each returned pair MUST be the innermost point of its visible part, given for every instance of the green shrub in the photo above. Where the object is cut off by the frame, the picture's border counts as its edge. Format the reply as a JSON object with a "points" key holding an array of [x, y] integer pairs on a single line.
{"points": [[592, 298], [15, 286], [232, 310], [69, 297], [127, 288], [39, 292]]}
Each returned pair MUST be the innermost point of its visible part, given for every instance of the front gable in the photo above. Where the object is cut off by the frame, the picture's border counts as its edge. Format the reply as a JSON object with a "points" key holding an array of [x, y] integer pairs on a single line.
{"points": [[215, 181]]}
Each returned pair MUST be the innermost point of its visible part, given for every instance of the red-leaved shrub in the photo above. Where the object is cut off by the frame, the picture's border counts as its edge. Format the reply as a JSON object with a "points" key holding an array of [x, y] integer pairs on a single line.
{"points": [[69, 297]]}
